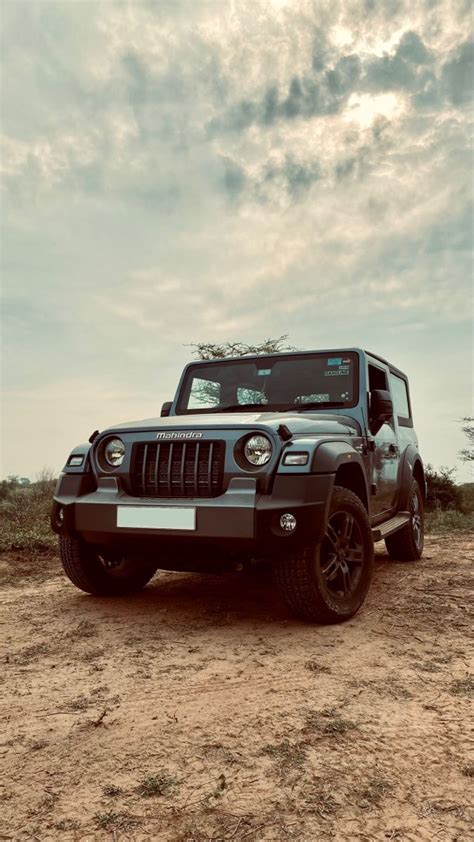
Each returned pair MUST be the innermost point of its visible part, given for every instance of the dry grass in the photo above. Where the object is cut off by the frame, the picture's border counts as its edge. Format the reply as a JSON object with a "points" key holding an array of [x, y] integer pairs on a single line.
{"points": [[158, 784], [445, 523]]}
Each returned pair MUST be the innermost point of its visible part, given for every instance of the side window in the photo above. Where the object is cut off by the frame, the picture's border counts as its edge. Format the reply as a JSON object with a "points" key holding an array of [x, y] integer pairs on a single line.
{"points": [[204, 393], [399, 396], [377, 378]]}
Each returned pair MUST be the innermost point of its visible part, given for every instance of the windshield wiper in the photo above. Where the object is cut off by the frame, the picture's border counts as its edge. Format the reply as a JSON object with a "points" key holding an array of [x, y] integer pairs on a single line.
{"points": [[319, 405], [244, 407], [268, 407]]}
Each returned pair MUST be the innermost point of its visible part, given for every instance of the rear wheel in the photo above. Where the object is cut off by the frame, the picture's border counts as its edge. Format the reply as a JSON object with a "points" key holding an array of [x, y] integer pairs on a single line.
{"points": [[407, 543], [100, 572], [327, 582]]}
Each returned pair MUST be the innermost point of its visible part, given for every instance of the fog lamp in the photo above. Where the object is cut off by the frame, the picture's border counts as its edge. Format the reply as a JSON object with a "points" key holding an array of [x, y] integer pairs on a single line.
{"points": [[288, 522]]}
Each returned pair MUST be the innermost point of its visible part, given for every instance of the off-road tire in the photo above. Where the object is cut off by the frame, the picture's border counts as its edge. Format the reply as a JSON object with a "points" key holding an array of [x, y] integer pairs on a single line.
{"points": [[404, 545], [299, 576], [83, 566]]}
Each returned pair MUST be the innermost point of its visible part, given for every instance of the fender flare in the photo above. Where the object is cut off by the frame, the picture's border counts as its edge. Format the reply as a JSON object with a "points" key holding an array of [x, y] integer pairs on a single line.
{"points": [[410, 464], [81, 450], [329, 456]]}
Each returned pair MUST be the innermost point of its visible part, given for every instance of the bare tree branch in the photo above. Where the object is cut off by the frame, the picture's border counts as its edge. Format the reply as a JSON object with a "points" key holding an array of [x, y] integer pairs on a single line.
{"points": [[214, 351], [467, 453]]}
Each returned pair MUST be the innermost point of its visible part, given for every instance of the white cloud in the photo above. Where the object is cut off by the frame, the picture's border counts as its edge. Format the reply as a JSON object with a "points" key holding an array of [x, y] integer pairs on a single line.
{"points": [[177, 172]]}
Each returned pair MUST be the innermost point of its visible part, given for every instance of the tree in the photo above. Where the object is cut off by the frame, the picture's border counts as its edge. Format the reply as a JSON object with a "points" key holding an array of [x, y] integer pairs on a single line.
{"points": [[467, 453], [213, 351]]}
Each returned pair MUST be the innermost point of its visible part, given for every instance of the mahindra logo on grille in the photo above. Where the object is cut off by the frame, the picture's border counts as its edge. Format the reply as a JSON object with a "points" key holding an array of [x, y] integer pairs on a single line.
{"points": [[173, 436]]}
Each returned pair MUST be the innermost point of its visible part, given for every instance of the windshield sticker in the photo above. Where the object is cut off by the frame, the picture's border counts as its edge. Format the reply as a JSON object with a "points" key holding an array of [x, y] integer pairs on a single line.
{"points": [[341, 371], [264, 372], [334, 360]]}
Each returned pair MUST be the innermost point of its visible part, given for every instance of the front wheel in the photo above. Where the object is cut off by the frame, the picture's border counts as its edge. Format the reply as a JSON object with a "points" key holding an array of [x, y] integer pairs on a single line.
{"points": [[327, 582], [101, 573]]}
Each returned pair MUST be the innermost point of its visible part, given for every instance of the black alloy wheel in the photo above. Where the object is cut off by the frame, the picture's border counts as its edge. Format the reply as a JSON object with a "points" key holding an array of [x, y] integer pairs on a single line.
{"points": [[342, 554], [407, 543], [417, 517]]}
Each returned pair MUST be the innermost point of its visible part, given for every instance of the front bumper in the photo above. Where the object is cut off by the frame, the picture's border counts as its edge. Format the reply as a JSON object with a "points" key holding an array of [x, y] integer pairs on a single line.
{"points": [[240, 519]]}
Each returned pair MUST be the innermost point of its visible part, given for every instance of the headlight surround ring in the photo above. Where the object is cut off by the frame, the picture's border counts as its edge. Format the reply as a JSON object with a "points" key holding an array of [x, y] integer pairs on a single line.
{"points": [[114, 452], [258, 450]]}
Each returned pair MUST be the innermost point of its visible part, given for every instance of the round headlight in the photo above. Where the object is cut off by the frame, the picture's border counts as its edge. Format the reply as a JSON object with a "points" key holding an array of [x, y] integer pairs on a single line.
{"points": [[114, 452], [258, 450]]}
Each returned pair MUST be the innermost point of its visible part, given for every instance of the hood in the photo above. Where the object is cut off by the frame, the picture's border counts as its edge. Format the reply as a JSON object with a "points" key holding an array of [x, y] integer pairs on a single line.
{"points": [[309, 423]]}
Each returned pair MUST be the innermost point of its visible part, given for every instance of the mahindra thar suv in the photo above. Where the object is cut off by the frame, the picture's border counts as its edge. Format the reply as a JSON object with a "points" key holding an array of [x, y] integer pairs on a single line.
{"points": [[301, 460]]}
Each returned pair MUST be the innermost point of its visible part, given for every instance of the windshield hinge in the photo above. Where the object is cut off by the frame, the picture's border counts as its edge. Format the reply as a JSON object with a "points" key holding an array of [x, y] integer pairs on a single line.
{"points": [[284, 433]]}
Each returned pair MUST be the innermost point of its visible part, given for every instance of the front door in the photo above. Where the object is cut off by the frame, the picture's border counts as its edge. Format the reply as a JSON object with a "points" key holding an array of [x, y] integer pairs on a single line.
{"points": [[386, 455]]}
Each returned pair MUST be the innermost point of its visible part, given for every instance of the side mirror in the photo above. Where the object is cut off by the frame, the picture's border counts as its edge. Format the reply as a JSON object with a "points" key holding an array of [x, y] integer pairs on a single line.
{"points": [[166, 409], [381, 409]]}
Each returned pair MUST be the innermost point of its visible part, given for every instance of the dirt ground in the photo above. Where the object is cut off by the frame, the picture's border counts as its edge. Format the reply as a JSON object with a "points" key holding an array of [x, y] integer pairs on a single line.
{"points": [[198, 710]]}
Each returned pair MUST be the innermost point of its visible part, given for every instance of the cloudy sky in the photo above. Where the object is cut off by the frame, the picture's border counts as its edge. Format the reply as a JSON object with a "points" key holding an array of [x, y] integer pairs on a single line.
{"points": [[187, 170]]}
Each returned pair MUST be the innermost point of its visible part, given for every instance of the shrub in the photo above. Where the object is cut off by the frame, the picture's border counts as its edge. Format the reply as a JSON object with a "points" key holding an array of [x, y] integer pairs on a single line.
{"points": [[7, 486], [24, 516], [442, 492], [467, 491]]}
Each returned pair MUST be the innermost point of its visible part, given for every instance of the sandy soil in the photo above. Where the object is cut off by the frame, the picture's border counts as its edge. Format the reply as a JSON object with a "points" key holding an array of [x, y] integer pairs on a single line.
{"points": [[199, 710]]}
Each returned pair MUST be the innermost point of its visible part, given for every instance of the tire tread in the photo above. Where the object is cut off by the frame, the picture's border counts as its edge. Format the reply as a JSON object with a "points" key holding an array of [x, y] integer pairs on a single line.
{"points": [[83, 570], [295, 578]]}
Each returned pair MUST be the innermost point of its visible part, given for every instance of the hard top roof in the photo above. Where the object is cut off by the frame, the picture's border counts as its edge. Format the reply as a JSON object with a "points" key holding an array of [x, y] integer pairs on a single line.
{"points": [[301, 353]]}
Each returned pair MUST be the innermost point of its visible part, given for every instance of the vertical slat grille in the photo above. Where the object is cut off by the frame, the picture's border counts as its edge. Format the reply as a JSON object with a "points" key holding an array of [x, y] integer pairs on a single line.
{"points": [[178, 469]]}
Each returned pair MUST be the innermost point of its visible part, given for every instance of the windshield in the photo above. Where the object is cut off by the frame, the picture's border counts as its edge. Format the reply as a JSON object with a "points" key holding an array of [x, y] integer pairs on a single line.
{"points": [[271, 383]]}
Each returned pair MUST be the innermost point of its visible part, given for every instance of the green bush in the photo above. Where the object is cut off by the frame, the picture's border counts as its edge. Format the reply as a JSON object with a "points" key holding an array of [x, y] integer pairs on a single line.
{"points": [[442, 492], [7, 486], [467, 491], [24, 516]]}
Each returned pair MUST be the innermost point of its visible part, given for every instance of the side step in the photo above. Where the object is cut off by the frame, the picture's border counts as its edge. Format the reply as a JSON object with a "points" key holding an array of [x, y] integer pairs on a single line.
{"points": [[390, 526]]}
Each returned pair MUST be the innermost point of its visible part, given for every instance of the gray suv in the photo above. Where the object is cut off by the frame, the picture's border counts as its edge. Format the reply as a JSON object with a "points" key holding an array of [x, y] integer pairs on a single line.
{"points": [[301, 460]]}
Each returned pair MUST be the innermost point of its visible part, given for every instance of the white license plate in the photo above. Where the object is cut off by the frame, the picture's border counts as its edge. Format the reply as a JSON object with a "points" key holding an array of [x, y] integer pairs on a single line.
{"points": [[156, 517]]}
